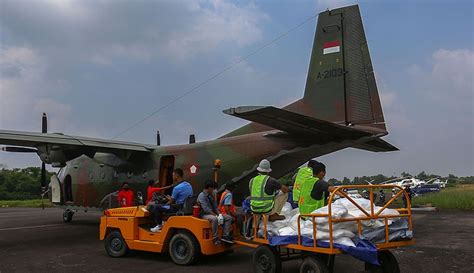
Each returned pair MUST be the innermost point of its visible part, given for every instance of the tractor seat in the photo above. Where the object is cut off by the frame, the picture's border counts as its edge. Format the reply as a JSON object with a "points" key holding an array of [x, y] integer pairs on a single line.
{"points": [[188, 205]]}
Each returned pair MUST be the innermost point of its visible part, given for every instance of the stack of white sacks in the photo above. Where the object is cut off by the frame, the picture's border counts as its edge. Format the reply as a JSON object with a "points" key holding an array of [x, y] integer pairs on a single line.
{"points": [[343, 232]]}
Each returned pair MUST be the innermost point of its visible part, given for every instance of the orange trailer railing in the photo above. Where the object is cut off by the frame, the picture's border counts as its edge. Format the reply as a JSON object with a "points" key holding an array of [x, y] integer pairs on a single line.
{"points": [[367, 216]]}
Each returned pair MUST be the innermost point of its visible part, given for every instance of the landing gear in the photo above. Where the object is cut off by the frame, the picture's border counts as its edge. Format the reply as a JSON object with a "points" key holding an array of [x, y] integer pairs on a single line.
{"points": [[67, 215]]}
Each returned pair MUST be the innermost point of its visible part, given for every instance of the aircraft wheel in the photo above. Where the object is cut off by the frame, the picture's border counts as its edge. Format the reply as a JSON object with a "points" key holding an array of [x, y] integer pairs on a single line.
{"points": [[388, 263], [266, 260], [115, 245], [313, 264], [67, 215], [184, 249]]}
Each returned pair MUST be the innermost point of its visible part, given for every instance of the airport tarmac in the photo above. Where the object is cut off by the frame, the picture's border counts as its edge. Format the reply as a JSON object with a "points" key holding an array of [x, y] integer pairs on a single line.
{"points": [[35, 240]]}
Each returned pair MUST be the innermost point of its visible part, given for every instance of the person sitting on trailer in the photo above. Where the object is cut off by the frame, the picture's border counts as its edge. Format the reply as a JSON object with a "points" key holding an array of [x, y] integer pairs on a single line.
{"points": [[210, 212], [226, 203], [267, 195], [303, 175], [181, 191], [151, 189], [314, 192], [125, 196]]}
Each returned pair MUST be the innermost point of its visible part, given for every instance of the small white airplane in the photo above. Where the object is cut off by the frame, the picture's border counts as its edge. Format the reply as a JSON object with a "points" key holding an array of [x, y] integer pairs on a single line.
{"points": [[437, 181], [401, 182], [404, 181], [413, 182]]}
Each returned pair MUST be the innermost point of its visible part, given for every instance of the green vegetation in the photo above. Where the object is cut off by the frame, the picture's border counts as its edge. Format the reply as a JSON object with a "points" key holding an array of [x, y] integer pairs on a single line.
{"points": [[21, 184], [459, 197], [33, 203]]}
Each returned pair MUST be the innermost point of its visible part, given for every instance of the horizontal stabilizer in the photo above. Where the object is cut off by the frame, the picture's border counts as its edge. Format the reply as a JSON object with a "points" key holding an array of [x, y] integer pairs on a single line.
{"points": [[376, 145], [294, 123]]}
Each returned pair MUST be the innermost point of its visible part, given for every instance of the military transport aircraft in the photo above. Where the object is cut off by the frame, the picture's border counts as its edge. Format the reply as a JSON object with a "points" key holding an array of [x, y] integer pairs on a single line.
{"points": [[340, 109]]}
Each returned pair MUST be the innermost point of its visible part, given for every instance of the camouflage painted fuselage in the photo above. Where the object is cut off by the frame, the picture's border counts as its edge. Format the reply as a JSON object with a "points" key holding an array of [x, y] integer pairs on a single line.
{"points": [[240, 155]]}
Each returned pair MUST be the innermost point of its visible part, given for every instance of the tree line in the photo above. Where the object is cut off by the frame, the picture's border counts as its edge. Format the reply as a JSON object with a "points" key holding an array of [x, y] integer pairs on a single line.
{"points": [[22, 184]]}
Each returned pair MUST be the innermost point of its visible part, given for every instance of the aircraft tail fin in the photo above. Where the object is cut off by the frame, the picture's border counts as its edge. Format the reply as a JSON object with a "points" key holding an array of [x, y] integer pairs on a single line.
{"points": [[341, 86]]}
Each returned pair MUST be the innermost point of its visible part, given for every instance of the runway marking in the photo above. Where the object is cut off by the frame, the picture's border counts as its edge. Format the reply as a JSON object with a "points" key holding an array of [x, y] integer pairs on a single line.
{"points": [[42, 226]]}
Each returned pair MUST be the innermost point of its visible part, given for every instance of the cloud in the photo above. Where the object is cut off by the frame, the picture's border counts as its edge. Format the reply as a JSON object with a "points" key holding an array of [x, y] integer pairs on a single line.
{"points": [[453, 71], [219, 23], [439, 103], [25, 90], [449, 77], [97, 31], [332, 4], [53, 51]]}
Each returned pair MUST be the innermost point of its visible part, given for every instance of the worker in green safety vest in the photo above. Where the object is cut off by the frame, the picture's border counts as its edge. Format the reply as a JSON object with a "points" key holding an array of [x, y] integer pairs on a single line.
{"points": [[314, 191], [304, 175], [267, 195]]}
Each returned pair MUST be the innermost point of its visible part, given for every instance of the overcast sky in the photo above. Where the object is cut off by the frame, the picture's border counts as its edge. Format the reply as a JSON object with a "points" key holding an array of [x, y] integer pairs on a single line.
{"points": [[96, 67]]}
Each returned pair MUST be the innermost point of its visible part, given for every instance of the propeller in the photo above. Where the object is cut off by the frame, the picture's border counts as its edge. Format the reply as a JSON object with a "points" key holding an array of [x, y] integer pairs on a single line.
{"points": [[18, 149], [44, 130]]}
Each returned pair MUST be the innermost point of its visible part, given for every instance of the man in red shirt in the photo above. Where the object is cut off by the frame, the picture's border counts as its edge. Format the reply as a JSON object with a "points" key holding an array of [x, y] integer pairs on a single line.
{"points": [[125, 196], [151, 190]]}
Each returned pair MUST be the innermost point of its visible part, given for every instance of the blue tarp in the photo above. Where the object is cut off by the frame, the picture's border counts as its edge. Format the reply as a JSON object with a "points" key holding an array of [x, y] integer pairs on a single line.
{"points": [[364, 250]]}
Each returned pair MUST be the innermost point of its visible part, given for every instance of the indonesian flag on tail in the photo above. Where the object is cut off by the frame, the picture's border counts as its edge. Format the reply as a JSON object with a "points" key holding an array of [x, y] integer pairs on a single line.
{"points": [[331, 47]]}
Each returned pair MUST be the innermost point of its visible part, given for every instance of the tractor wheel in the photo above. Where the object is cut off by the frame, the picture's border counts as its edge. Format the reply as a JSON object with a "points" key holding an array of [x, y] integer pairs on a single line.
{"points": [[266, 260], [115, 245], [67, 215], [388, 263], [184, 249], [313, 264]]}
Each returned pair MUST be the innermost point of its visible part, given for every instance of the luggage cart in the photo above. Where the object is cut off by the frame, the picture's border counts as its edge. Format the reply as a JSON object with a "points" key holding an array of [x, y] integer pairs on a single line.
{"points": [[317, 259]]}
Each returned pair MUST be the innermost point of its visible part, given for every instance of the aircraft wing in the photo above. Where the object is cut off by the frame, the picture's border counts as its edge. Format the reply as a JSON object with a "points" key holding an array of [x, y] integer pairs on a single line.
{"points": [[59, 148], [294, 123]]}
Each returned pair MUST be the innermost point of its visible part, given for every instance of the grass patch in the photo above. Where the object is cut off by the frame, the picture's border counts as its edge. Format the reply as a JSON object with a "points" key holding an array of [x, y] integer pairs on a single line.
{"points": [[459, 197], [34, 203]]}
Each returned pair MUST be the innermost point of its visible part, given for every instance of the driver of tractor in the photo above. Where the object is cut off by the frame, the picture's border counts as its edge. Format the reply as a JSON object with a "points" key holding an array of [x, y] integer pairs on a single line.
{"points": [[181, 191]]}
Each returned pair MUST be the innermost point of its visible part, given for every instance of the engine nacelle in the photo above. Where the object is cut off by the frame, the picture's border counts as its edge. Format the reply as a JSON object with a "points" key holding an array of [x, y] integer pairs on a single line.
{"points": [[57, 156]]}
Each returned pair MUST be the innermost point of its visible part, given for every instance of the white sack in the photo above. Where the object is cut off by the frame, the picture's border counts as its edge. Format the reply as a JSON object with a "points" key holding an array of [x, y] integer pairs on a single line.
{"points": [[343, 241], [324, 235], [351, 226], [286, 209], [287, 231], [364, 203]]}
